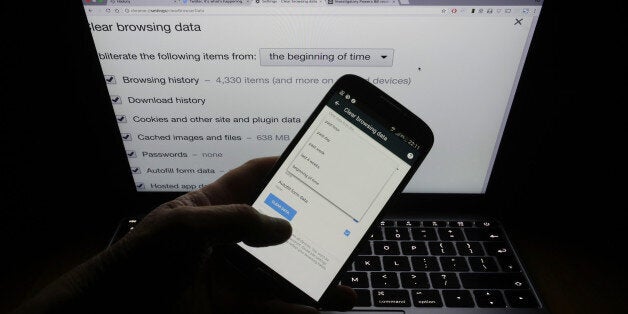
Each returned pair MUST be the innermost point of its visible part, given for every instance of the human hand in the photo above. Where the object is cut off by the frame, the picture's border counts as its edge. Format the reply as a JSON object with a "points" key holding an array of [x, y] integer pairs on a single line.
{"points": [[166, 263], [210, 216]]}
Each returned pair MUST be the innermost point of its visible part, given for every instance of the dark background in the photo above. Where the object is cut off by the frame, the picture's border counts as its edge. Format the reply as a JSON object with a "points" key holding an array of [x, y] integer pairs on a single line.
{"points": [[558, 188]]}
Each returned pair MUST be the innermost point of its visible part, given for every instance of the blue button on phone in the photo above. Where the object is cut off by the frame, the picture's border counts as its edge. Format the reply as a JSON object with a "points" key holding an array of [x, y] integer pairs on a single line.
{"points": [[280, 206]]}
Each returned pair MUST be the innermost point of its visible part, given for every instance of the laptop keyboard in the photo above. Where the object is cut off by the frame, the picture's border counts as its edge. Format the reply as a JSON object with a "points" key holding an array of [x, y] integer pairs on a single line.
{"points": [[438, 264], [457, 264]]}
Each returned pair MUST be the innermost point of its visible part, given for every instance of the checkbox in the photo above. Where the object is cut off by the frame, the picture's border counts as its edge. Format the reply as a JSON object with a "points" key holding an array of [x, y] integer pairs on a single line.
{"points": [[121, 118], [131, 154], [140, 186], [110, 79], [116, 100], [136, 170], [127, 137]]}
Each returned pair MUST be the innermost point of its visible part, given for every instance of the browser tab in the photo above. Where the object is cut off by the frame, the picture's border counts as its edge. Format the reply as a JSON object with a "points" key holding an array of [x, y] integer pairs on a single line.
{"points": [[363, 2], [94, 2], [223, 2], [287, 2]]}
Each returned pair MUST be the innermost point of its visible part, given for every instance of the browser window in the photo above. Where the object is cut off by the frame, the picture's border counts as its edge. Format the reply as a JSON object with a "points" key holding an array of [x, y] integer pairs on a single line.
{"points": [[199, 87]]}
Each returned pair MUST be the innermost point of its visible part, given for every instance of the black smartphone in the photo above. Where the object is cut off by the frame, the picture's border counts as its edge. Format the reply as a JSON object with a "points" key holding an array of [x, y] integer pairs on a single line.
{"points": [[353, 155]]}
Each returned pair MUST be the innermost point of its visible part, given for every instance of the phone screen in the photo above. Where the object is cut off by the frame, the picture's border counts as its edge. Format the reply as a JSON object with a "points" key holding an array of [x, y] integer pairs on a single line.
{"points": [[331, 187]]}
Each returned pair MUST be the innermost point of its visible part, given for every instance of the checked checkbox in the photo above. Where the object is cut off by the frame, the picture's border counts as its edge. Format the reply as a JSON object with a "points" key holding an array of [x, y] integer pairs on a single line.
{"points": [[121, 118], [110, 79], [136, 170], [140, 186], [127, 137], [116, 100], [131, 154]]}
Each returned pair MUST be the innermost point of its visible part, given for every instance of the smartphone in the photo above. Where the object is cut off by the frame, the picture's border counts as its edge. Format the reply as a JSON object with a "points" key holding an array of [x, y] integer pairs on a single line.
{"points": [[351, 158]]}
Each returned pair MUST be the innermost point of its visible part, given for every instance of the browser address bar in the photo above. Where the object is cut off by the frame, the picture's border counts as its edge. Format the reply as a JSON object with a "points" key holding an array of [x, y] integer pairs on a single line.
{"points": [[278, 10]]}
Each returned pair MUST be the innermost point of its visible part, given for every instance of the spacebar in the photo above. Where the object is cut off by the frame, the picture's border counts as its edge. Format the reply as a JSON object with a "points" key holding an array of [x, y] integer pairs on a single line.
{"points": [[493, 281]]}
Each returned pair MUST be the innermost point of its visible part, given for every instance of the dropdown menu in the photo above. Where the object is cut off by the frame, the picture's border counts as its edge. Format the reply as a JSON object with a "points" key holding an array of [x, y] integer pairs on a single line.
{"points": [[339, 57]]}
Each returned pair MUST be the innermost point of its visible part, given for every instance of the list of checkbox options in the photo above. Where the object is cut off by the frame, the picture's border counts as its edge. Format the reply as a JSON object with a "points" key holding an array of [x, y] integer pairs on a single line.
{"points": [[136, 170], [116, 100], [110, 79], [121, 118]]}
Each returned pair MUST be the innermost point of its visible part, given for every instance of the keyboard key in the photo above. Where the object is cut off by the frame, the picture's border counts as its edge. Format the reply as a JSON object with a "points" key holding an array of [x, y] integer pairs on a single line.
{"points": [[386, 248], [424, 234], [414, 280], [493, 281], [386, 223], [508, 264], [355, 280], [485, 224], [444, 280], [384, 280], [131, 223], [483, 234], [426, 298], [435, 223], [489, 298], [376, 234], [485, 263], [497, 249], [469, 248], [450, 234], [397, 233], [521, 298], [408, 223], [425, 263], [396, 263], [413, 248], [367, 263], [458, 298], [365, 249], [364, 297], [461, 223], [454, 263], [475, 234], [391, 298], [442, 248]]}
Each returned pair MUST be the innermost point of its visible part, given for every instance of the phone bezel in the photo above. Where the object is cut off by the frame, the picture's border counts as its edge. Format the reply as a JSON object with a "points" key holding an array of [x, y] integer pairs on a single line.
{"points": [[403, 118]]}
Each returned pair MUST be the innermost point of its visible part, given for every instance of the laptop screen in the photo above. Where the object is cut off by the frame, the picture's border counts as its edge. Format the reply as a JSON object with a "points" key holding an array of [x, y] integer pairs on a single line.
{"points": [[198, 87]]}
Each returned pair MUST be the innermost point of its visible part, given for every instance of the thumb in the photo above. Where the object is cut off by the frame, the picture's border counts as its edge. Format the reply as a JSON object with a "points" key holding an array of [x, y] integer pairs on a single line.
{"points": [[234, 223]]}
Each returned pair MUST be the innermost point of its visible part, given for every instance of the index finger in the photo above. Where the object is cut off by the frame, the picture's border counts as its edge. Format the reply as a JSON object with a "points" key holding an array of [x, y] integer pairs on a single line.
{"points": [[235, 187], [240, 184]]}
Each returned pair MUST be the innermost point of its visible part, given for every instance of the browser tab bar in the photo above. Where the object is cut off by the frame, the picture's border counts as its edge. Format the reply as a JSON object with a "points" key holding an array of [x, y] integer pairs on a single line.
{"points": [[473, 2]]}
